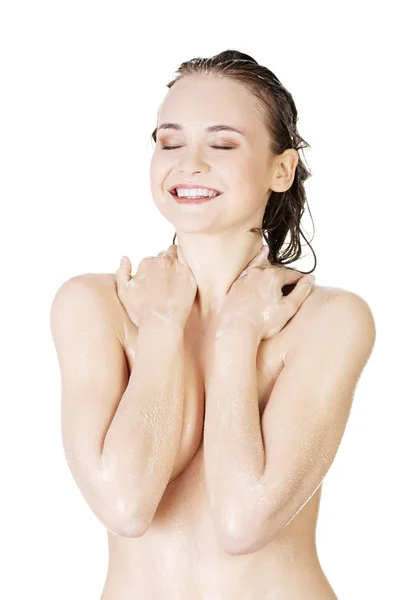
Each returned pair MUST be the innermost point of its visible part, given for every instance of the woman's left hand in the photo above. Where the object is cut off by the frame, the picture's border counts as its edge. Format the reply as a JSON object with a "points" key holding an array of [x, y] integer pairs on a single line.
{"points": [[255, 298]]}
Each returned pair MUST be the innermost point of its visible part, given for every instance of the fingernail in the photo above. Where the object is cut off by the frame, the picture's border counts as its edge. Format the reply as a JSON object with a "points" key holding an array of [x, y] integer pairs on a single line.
{"points": [[122, 261]]}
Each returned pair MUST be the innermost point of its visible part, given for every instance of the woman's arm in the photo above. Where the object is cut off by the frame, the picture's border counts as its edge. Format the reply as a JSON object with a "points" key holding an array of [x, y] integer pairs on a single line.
{"points": [[142, 442], [120, 434], [260, 475]]}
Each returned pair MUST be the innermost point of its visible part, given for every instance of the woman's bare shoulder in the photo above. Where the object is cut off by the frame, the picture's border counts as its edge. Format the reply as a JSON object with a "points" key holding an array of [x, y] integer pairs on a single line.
{"points": [[319, 297], [105, 283], [106, 286]]}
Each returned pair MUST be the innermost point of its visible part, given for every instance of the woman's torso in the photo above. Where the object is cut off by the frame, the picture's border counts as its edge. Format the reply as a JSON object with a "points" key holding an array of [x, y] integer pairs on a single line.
{"points": [[179, 557]]}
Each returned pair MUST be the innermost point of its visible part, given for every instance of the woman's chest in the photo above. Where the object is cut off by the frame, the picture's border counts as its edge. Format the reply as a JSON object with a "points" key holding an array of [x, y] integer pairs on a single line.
{"points": [[199, 341]]}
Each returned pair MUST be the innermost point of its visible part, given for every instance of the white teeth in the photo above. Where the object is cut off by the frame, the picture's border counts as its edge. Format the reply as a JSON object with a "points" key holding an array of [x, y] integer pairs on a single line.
{"points": [[193, 193]]}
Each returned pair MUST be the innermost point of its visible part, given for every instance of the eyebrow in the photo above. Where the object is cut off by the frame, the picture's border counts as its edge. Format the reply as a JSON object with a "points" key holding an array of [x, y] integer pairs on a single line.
{"points": [[210, 129]]}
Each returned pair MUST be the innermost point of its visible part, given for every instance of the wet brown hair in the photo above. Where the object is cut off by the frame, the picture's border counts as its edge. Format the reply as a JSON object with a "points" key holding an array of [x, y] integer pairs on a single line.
{"points": [[284, 210]]}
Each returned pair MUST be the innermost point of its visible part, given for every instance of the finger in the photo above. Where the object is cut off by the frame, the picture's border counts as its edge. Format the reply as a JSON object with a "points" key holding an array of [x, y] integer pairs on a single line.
{"points": [[124, 271], [175, 251], [172, 249], [297, 296], [260, 259], [288, 276]]}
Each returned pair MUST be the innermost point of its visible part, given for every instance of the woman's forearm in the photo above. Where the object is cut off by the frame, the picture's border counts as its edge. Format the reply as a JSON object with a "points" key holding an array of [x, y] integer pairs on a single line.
{"points": [[142, 442], [233, 446]]}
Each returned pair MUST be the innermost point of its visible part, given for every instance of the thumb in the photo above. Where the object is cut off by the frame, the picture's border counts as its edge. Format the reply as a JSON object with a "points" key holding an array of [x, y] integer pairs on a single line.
{"points": [[124, 270]]}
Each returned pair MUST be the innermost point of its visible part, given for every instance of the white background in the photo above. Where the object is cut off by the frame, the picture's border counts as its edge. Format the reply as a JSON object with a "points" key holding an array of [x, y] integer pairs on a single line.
{"points": [[81, 83]]}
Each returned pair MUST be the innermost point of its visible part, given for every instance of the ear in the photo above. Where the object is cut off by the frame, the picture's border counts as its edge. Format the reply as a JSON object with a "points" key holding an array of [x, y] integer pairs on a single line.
{"points": [[285, 168]]}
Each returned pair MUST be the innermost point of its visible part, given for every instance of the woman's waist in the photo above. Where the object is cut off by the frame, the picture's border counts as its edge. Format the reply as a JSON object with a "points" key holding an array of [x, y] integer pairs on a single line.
{"points": [[245, 576], [202, 558]]}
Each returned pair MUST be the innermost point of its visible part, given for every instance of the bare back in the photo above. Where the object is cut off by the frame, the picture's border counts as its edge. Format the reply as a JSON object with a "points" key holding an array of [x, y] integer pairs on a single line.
{"points": [[179, 555]]}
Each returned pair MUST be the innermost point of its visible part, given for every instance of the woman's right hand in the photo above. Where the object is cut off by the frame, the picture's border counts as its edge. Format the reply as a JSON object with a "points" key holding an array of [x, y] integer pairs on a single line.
{"points": [[162, 288]]}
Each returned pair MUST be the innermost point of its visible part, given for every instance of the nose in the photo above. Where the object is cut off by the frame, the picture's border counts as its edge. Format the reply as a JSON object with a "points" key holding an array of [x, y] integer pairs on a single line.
{"points": [[191, 171], [192, 162]]}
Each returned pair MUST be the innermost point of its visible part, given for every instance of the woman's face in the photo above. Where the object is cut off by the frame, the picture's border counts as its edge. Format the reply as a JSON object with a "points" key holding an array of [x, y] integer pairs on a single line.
{"points": [[242, 172]]}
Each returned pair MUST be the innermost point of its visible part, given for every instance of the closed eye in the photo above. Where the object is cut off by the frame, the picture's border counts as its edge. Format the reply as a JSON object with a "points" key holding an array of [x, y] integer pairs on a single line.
{"points": [[217, 147]]}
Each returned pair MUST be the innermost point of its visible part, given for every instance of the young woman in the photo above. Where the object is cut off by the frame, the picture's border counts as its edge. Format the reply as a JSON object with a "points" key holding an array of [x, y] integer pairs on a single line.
{"points": [[205, 398]]}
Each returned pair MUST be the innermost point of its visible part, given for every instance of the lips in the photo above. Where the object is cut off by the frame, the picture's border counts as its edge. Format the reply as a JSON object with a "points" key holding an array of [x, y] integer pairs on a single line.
{"points": [[188, 200]]}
